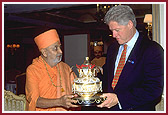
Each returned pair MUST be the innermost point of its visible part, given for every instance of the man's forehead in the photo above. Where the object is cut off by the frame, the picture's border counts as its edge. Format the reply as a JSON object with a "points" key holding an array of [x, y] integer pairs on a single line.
{"points": [[56, 44]]}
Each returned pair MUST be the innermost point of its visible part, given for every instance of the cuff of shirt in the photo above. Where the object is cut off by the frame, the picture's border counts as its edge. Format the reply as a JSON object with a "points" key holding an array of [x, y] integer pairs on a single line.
{"points": [[119, 105]]}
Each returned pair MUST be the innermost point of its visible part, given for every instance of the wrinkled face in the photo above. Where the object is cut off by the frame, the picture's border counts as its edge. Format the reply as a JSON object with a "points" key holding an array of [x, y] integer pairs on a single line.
{"points": [[54, 54], [98, 54], [122, 33]]}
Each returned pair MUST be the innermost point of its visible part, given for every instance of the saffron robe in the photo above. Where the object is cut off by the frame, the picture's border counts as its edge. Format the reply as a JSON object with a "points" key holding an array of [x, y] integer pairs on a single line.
{"points": [[38, 83]]}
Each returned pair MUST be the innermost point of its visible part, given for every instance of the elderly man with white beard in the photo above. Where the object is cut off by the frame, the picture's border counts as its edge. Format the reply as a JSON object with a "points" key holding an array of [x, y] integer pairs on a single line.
{"points": [[48, 79]]}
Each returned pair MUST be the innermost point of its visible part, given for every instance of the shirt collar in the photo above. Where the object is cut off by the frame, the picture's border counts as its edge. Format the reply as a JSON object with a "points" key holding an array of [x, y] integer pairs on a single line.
{"points": [[133, 40]]}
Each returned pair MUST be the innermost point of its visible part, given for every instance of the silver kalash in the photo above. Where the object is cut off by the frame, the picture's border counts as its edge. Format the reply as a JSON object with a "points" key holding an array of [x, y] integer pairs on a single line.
{"points": [[87, 86]]}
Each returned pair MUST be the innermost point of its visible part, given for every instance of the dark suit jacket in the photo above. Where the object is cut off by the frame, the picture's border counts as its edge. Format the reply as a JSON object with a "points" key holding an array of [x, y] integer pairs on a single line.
{"points": [[140, 84]]}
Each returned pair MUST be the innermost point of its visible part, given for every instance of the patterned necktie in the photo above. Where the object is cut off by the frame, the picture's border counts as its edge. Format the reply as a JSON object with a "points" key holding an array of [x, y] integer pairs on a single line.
{"points": [[119, 67]]}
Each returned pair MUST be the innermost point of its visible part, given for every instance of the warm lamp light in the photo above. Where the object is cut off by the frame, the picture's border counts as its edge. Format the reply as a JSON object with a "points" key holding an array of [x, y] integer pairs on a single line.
{"points": [[13, 47], [148, 20]]}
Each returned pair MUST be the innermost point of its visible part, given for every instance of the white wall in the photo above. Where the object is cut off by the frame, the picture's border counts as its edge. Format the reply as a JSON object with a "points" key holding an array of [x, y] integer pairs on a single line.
{"points": [[162, 25]]}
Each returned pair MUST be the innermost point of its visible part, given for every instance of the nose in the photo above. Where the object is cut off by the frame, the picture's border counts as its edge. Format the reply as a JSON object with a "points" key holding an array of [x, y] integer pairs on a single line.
{"points": [[114, 34], [59, 50]]}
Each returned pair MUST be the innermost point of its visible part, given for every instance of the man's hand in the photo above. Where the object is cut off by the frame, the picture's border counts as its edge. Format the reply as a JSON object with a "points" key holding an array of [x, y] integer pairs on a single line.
{"points": [[66, 101], [111, 100], [99, 69]]}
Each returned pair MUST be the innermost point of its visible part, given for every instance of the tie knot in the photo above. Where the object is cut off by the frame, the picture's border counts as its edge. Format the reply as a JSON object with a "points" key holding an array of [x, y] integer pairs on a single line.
{"points": [[125, 47]]}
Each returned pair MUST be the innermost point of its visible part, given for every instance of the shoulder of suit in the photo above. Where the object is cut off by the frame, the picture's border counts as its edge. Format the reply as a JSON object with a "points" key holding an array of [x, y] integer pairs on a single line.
{"points": [[150, 44]]}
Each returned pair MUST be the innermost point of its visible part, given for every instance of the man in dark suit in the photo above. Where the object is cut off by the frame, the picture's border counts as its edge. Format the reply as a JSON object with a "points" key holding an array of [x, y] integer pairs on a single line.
{"points": [[139, 85]]}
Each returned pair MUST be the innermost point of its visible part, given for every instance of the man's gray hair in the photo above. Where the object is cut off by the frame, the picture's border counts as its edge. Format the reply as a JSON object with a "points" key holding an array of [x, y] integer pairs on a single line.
{"points": [[121, 14]]}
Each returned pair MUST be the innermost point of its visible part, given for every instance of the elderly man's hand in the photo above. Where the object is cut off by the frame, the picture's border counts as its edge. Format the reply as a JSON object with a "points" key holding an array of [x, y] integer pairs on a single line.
{"points": [[111, 100], [66, 101]]}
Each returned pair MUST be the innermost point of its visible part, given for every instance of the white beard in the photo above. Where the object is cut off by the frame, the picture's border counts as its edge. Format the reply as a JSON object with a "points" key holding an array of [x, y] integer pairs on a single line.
{"points": [[58, 59]]}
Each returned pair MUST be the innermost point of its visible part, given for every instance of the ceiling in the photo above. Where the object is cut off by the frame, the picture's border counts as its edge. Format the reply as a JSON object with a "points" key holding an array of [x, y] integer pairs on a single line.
{"points": [[25, 18]]}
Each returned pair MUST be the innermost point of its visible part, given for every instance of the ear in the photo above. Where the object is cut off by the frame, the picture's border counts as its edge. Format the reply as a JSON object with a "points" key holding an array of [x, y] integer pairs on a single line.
{"points": [[130, 24], [44, 52]]}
